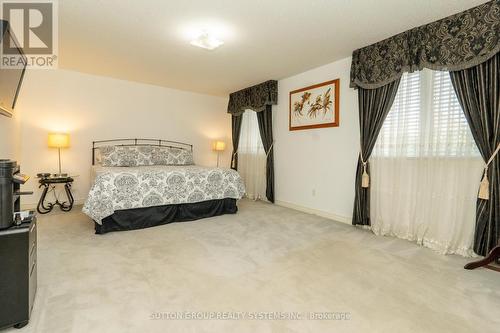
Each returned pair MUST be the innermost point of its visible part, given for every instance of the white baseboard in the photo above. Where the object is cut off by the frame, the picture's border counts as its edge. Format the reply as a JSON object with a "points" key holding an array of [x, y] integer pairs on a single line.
{"points": [[327, 215]]}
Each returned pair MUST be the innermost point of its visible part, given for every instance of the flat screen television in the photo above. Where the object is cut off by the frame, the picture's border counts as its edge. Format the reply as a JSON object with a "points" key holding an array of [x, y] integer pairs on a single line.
{"points": [[11, 77]]}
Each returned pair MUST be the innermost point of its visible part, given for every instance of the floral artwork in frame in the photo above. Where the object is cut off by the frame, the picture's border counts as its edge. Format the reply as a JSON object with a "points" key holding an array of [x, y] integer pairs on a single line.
{"points": [[315, 106]]}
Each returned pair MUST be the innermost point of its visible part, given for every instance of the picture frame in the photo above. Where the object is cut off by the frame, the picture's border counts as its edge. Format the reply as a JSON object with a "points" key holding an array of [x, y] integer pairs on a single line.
{"points": [[315, 106]]}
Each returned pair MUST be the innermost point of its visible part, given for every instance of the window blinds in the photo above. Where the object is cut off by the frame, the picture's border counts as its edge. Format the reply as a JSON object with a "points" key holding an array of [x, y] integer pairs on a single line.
{"points": [[425, 120], [451, 134]]}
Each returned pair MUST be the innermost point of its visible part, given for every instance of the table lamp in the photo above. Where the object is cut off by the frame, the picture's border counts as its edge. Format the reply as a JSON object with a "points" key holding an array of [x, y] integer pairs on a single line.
{"points": [[58, 140], [218, 146]]}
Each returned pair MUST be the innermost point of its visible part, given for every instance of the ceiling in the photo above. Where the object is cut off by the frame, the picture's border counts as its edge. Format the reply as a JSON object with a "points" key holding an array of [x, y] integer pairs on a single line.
{"points": [[148, 40]]}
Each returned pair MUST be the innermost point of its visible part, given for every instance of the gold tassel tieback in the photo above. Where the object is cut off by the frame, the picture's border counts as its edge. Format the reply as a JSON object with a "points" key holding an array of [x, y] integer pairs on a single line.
{"points": [[484, 187], [365, 178], [233, 162]]}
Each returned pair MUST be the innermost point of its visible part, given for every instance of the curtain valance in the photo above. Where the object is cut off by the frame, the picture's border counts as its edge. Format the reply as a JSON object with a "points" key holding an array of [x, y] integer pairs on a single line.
{"points": [[255, 98], [454, 43]]}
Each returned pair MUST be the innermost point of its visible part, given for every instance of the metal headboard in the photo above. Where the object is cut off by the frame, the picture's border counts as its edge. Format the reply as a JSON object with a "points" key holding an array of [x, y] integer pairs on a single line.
{"points": [[139, 142]]}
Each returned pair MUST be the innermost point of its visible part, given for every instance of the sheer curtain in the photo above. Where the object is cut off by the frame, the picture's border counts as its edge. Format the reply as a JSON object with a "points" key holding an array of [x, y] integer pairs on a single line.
{"points": [[426, 167], [252, 157]]}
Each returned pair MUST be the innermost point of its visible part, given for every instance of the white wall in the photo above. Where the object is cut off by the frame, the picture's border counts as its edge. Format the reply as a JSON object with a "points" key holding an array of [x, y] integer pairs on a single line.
{"points": [[315, 168], [10, 136], [98, 108]]}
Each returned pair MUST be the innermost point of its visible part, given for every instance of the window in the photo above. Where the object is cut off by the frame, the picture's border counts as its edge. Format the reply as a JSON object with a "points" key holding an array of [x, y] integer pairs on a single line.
{"points": [[425, 167], [252, 157], [250, 141], [426, 120]]}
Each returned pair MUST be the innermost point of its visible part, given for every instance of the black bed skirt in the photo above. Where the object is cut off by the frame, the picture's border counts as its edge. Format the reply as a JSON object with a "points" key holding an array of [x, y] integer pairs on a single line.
{"points": [[139, 218]]}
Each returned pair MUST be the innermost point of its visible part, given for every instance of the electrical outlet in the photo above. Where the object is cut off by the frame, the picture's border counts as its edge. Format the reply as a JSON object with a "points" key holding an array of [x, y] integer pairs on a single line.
{"points": [[313, 192]]}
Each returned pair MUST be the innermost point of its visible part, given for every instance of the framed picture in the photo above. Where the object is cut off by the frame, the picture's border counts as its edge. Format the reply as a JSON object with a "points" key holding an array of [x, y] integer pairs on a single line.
{"points": [[315, 106]]}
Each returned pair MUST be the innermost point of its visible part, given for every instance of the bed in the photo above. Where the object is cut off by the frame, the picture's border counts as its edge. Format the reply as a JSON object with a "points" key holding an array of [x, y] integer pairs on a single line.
{"points": [[141, 183]]}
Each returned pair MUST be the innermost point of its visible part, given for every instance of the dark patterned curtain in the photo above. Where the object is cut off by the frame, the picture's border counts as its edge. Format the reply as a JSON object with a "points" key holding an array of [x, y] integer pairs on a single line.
{"points": [[265, 119], [254, 98], [235, 131], [478, 91], [455, 43], [374, 105], [451, 44], [259, 98]]}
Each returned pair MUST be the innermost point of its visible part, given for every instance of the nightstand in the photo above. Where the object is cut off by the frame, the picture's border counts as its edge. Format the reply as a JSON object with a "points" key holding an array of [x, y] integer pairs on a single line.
{"points": [[49, 183]]}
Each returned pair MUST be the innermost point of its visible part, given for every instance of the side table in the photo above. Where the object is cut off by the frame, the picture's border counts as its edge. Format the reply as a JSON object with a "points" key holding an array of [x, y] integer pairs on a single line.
{"points": [[50, 182]]}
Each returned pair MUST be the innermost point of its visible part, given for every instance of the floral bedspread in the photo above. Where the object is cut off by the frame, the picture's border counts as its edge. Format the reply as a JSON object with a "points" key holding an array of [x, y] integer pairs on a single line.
{"points": [[117, 188]]}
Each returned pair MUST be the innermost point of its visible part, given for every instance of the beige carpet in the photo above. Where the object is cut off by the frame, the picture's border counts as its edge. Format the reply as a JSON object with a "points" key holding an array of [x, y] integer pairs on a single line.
{"points": [[264, 262]]}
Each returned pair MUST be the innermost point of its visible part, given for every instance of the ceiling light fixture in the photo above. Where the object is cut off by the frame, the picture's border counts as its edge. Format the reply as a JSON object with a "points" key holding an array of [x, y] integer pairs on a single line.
{"points": [[206, 41]]}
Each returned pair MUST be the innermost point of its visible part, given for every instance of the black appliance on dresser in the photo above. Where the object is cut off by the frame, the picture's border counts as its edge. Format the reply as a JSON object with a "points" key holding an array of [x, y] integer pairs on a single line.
{"points": [[17, 250]]}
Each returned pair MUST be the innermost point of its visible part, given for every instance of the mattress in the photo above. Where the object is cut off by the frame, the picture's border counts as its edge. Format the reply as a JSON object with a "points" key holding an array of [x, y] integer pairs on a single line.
{"points": [[119, 188]]}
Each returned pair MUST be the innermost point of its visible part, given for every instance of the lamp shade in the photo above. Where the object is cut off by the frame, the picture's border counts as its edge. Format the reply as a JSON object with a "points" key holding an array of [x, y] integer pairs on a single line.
{"points": [[219, 146], [58, 140]]}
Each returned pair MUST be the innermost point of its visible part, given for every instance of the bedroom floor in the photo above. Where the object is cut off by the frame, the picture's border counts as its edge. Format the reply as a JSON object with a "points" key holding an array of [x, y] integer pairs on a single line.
{"points": [[264, 261]]}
